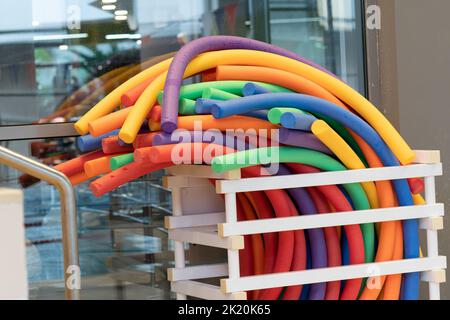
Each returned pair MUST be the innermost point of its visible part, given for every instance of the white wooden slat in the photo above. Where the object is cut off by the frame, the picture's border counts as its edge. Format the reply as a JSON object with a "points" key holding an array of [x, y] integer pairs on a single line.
{"points": [[172, 182], [432, 236], [332, 274], [204, 291], [433, 223], [427, 156], [202, 171], [198, 272], [194, 220], [179, 253], [434, 276], [329, 220], [206, 236], [328, 178]]}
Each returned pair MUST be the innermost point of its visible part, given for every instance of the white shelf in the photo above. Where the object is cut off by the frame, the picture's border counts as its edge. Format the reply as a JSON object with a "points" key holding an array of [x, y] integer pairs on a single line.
{"points": [[204, 291], [200, 221], [332, 274], [194, 220], [206, 236], [198, 272], [330, 220], [328, 178]]}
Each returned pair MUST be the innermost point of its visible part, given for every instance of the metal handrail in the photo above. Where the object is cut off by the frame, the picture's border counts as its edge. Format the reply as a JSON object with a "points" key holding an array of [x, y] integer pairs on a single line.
{"points": [[68, 213]]}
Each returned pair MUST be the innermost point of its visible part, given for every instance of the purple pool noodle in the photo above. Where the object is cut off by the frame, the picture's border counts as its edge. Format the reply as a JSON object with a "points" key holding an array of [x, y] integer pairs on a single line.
{"points": [[296, 138], [316, 236], [169, 115], [297, 121]]}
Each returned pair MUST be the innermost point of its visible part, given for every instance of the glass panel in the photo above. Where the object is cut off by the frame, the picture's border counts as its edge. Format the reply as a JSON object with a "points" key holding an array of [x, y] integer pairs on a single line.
{"points": [[68, 57], [56, 63], [328, 32], [121, 235]]}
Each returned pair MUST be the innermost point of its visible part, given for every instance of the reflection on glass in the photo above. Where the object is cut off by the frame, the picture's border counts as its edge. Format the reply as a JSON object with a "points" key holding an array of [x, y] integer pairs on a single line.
{"points": [[68, 58], [124, 250], [55, 64]]}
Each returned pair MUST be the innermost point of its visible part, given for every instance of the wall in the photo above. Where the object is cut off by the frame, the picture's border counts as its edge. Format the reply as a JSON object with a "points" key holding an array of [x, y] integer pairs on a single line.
{"points": [[423, 72]]}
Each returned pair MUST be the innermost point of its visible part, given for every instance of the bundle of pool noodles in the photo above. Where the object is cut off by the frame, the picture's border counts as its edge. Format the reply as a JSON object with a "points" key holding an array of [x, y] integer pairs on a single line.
{"points": [[311, 120]]}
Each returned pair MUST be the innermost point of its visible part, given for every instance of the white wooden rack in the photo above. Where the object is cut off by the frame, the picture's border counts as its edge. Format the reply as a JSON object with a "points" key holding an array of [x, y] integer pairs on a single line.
{"points": [[202, 217]]}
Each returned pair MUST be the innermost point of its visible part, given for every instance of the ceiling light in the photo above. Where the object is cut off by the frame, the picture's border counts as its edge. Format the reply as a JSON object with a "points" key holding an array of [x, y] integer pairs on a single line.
{"points": [[121, 18], [121, 12], [109, 7], [50, 37], [119, 36], [108, 1], [63, 47]]}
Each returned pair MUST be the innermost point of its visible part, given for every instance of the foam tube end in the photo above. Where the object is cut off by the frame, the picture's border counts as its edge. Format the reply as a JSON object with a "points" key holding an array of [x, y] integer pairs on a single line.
{"points": [[168, 126], [160, 139], [251, 89], [297, 121], [154, 155], [96, 189], [126, 100], [200, 106], [216, 111], [319, 127], [416, 185], [288, 120], [120, 161], [89, 170], [274, 115], [141, 155], [407, 157], [81, 145], [93, 130], [248, 89], [126, 137], [217, 165], [81, 127], [207, 93], [187, 107]]}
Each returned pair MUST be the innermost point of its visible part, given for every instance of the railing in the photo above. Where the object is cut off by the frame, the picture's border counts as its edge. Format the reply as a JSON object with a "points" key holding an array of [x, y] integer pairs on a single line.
{"points": [[68, 214]]}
